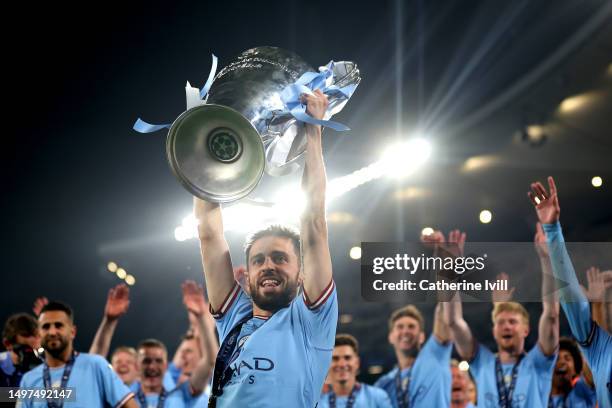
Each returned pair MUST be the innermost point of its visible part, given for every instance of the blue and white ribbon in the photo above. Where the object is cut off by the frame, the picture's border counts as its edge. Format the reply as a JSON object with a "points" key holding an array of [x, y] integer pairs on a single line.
{"points": [[193, 99], [308, 82]]}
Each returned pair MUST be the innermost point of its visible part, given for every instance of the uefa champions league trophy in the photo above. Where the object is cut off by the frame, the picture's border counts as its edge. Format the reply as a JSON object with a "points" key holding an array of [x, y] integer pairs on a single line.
{"points": [[248, 119]]}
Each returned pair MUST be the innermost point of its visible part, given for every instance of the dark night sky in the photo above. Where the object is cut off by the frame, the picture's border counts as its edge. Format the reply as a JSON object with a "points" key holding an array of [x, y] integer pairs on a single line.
{"points": [[81, 188]]}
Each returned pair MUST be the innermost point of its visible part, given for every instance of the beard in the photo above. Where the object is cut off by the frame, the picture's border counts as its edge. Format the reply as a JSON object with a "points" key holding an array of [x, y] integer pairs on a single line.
{"points": [[412, 352], [56, 351], [273, 301]]}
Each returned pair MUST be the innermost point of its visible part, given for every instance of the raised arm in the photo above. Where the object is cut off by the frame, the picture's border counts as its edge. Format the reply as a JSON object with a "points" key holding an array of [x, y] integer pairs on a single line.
{"points": [[193, 299], [548, 327], [574, 302], [597, 284], [117, 303], [440, 328], [502, 295], [317, 264], [215, 252], [451, 312]]}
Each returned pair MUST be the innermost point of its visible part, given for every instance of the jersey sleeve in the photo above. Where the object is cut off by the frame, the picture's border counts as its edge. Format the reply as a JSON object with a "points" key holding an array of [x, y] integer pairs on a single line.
{"points": [[574, 303], [381, 398], [318, 318], [584, 392], [438, 352], [234, 308], [114, 391], [544, 366], [25, 383], [483, 358]]}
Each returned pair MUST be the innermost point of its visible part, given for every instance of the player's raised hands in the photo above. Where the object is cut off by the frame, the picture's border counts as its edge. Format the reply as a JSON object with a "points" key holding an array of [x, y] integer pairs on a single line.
{"points": [[117, 301], [316, 103], [545, 202], [193, 298], [453, 246], [502, 295], [39, 303], [539, 241], [597, 284]]}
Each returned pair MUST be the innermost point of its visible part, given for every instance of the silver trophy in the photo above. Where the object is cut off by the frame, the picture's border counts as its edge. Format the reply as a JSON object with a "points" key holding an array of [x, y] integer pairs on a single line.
{"points": [[220, 149]]}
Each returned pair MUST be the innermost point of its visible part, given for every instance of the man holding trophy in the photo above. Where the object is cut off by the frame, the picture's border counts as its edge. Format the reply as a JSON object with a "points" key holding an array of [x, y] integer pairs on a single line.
{"points": [[276, 346]]}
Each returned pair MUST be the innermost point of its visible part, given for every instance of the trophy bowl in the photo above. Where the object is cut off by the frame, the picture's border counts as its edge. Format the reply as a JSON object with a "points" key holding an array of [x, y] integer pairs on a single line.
{"points": [[220, 149]]}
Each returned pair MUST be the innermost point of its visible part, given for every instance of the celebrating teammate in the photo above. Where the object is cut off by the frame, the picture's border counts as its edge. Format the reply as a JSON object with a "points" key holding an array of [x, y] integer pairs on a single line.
{"points": [[595, 343], [346, 391], [422, 377], [460, 397], [512, 377], [95, 384], [276, 348], [569, 387], [21, 338]]}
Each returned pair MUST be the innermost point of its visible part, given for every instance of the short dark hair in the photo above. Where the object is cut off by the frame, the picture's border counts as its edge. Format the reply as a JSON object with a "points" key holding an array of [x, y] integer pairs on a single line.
{"points": [[347, 340], [19, 324], [152, 343], [407, 311], [276, 230], [569, 345], [57, 306]]}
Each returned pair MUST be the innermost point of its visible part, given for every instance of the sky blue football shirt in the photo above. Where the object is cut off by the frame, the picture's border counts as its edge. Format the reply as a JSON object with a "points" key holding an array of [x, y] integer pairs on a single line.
{"points": [[94, 381], [281, 361], [430, 377], [366, 396], [595, 343], [533, 383]]}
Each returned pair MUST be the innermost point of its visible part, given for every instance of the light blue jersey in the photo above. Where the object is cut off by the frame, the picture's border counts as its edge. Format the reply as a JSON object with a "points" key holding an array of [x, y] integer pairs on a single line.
{"points": [[581, 396], [533, 382], [281, 361], [430, 377], [94, 382], [171, 376], [366, 396], [595, 343], [202, 400], [179, 397]]}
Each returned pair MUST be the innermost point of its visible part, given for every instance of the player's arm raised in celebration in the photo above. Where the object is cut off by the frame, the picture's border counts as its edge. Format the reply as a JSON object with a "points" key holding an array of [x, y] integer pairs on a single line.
{"points": [[193, 299], [317, 266], [451, 312], [117, 304], [215, 252], [574, 302], [548, 327]]}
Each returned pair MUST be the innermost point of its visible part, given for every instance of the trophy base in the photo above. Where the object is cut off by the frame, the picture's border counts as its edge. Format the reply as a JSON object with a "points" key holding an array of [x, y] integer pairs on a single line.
{"points": [[215, 153]]}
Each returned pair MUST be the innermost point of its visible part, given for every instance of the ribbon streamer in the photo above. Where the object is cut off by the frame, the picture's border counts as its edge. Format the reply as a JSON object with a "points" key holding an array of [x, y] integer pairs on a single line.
{"points": [[144, 127], [308, 82]]}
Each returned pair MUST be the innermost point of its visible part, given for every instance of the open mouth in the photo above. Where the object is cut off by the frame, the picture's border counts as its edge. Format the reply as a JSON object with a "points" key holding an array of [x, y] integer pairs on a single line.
{"points": [[269, 283], [152, 374], [457, 389], [507, 336]]}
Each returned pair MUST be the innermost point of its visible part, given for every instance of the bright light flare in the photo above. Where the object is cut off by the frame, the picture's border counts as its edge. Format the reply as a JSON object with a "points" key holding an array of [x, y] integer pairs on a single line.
{"points": [[121, 273], [112, 267], [405, 158], [427, 231], [485, 216], [464, 366], [575, 103], [130, 280], [597, 181], [355, 252], [375, 369]]}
